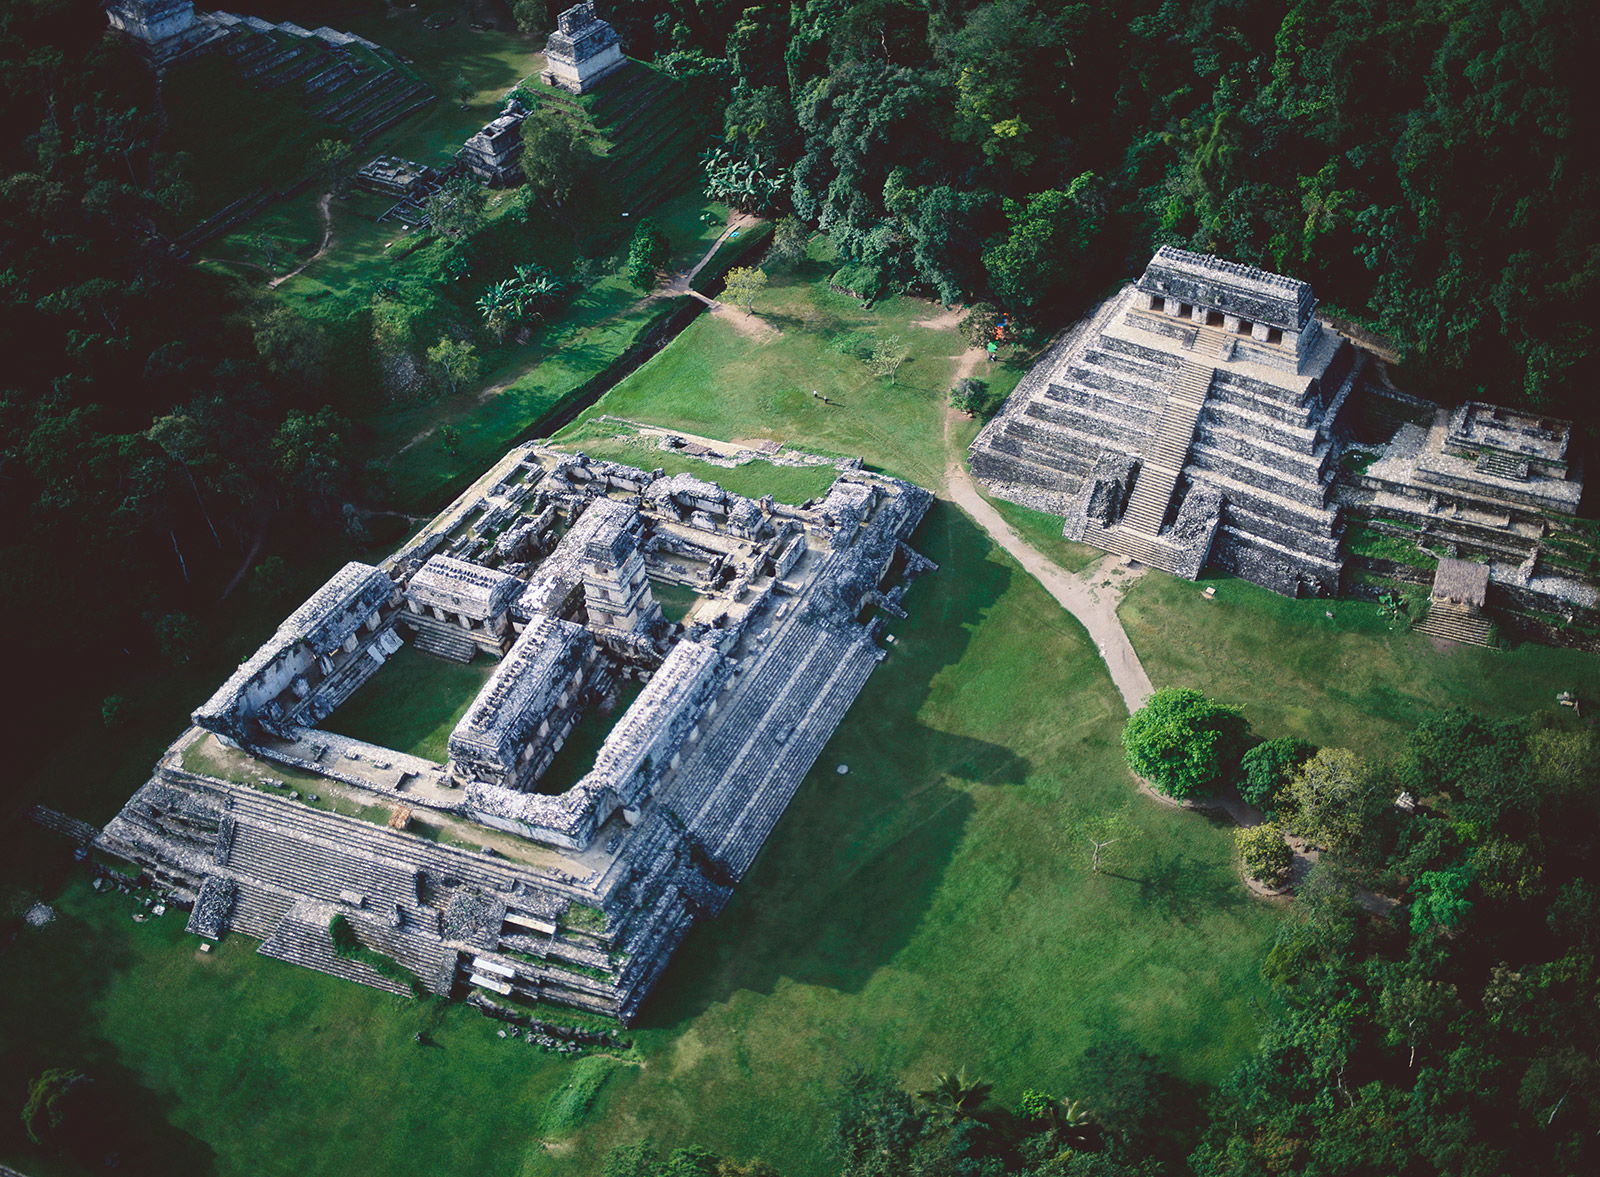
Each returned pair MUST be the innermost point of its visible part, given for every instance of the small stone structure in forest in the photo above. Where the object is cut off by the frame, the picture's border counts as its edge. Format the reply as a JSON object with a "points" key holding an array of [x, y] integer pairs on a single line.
{"points": [[1205, 417], [508, 868], [582, 52]]}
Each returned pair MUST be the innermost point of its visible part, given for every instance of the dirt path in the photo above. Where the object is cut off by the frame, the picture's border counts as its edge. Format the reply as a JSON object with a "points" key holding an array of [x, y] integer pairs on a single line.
{"points": [[947, 319], [743, 322], [1084, 595], [323, 208]]}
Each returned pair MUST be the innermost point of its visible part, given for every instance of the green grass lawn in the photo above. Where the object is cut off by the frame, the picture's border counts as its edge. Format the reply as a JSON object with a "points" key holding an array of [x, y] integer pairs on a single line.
{"points": [[1350, 680], [675, 599], [717, 381], [930, 908], [413, 703]]}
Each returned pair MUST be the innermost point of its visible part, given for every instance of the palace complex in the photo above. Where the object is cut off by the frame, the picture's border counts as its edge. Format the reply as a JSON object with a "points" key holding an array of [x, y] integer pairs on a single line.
{"points": [[504, 868]]}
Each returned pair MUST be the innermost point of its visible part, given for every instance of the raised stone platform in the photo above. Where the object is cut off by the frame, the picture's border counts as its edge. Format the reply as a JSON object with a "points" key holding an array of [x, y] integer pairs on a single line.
{"points": [[478, 874], [1190, 422]]}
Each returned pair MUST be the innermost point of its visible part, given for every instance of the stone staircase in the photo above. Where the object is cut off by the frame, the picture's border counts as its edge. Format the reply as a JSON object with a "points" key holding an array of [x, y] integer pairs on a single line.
{"points": [[742, 778], [1499, 465], [59, 823], [441, 639], [300, 939], [1149, 550], [1456, 624], [1163, 458]]}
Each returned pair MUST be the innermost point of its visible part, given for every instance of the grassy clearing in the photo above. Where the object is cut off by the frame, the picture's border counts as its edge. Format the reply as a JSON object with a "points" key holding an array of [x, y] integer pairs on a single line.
{"points": [[1349, 680], [928, 909], [675, 599], [717, 381], [413, 703]]}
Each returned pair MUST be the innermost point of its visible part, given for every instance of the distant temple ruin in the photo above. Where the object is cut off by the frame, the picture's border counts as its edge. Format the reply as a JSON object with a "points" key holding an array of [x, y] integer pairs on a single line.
{"points": [[1205, 417], [506, 869], [582, 52]]}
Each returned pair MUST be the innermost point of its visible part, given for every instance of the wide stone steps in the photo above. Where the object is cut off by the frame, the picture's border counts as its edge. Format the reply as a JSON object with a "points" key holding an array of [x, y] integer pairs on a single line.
{"points": [[310, 946], [59, 823], [1163, 461], [765, 809], [442, 640], [743, 776], [1144, 548], [289, 860], [256, 910], [1472, 629], [1503, 466], [403, 855]]}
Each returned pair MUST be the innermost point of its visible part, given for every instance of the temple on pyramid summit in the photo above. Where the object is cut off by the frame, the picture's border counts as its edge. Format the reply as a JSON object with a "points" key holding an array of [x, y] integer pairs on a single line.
{"points": [[1205, 417]]}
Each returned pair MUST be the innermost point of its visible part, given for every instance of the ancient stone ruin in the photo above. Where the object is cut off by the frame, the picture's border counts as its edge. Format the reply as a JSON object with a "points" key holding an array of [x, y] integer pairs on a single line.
{"points": [[337, 76], [1205, 417], [493, 155], [582, 52], [505, 869]]}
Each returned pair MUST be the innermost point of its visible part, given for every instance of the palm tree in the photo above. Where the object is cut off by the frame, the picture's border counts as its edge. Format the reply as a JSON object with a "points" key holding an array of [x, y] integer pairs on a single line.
{"points": [[956, 1097]]}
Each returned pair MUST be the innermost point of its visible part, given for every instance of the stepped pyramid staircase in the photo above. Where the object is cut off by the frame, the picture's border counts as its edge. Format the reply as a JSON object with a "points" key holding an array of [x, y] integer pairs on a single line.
{"points": [[1456, 623], [1138, 534]]}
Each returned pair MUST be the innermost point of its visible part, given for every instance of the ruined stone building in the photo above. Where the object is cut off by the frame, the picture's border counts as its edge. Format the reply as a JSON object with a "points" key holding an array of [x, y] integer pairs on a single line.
{"points": [[505, 868], [582, 52], [1203, 418], [494, 155]]}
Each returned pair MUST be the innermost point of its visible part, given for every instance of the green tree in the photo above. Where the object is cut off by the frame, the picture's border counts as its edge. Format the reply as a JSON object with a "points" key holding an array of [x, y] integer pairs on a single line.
{"points": [[970, 396], [530, 16], [1096, 834], [329, 162], [178, 637], [458, 209], [270, 578], [744, 284], [308, 451], [1334, 800], [648, 253], [790, 239], [1183, 743], [457, 360], [1266, 769], [1263, 852], [561, 158], [1439, 898], [1051, 243]]}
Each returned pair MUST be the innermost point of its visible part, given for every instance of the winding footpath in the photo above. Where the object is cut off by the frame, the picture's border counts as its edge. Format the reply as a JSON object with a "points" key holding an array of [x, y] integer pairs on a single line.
{"points": [[1086, 595]]}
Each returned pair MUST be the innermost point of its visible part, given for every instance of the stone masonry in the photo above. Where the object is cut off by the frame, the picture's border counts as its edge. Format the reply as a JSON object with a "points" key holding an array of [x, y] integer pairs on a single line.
{"points": [[490, 874], [582, 52], [1201, 417], [1190, 424]]}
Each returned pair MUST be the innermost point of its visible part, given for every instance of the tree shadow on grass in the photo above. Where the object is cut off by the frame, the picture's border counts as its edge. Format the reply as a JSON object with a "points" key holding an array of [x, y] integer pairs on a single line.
{"points": [[849, 875], [53, 978]]}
